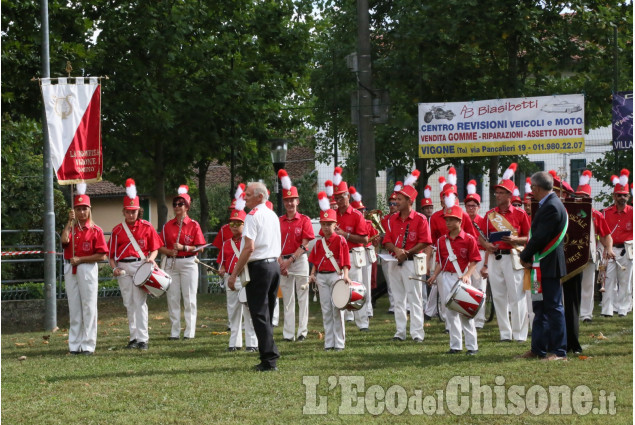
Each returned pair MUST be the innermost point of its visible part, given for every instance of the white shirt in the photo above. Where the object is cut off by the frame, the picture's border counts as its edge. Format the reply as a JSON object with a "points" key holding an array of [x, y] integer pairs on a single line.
{"points": [[263, 227]]}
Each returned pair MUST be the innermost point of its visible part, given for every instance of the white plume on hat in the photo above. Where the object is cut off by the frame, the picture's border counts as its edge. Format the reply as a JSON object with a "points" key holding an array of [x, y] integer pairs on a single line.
{"points": [[131, 189], [427, 192], [585, 178], [357, 197], [337, 176], [398, 186], [323, 201], [183, 189], [329, 188], [449, 200], [516, 192], [452, 176], [624, 177], [442, 183], [509, 172], [412, 178], [239, 191], [615, 180], [81, 188], [471, 187], [284, 179]]}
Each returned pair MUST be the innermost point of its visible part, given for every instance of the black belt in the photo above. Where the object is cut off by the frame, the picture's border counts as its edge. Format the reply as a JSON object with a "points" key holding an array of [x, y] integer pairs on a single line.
{"points": [[266, 260], [129, 260], [286, 257], [618, 245], [186, 256], [326, 272], [503, 251]]}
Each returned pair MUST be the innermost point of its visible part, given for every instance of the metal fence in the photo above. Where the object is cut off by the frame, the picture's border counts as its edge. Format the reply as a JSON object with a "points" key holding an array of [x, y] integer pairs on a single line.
{"points": [[208, 283]]}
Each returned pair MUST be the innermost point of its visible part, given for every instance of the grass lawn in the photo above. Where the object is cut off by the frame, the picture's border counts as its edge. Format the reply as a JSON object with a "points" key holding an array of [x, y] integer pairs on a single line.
{"points": [[199, 382]]}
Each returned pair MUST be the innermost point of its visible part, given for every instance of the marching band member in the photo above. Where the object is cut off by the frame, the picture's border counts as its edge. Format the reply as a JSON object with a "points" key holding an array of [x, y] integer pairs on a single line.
{"points": [[472, 205], [619, 273], [386, 265], [600, 229], [225, 233], [352, 226], [296, 232], [517, 202], [326, 270], [227, 259], [465, 251], [409, 234], [367, 270], [183, 235], [125, 260], [528, 197], [84, 245], [502, 266]]}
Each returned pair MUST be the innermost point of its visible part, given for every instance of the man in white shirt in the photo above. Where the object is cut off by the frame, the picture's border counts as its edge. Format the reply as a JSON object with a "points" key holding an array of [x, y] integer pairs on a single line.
{"points": [[260, 250]]}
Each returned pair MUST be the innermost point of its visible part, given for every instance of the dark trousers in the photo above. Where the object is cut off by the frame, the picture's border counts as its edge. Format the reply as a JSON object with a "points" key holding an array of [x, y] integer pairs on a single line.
{"points": [[262, 292], [548, 333], [572, 296]]}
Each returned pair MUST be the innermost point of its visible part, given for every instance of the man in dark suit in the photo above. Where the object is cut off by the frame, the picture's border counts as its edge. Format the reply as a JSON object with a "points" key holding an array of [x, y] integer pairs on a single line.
{"points": [[549, 336]]}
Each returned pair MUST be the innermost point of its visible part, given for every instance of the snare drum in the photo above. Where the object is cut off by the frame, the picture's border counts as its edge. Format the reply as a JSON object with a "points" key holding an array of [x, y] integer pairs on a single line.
{"points": [[465, 299], [152, 280], [348, 297]]}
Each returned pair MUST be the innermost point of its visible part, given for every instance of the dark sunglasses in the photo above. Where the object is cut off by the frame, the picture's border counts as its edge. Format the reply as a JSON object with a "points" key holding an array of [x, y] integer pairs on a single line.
{"points": [[235, 224], [178, 204], [621, 195], [393, 204]]}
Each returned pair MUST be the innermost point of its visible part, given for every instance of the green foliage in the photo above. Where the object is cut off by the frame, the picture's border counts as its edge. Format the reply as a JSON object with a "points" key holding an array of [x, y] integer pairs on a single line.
{"points": [[219, 200], [307, 190]]}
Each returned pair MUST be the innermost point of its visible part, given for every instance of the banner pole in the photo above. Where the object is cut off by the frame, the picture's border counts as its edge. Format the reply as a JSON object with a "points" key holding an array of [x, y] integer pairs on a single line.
{"points": [[50, 318]]}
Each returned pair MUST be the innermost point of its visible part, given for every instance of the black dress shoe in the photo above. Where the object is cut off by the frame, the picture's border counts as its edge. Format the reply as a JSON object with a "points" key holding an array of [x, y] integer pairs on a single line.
{"points": [[453, 351], [391, 312], [587, 321], [417, 339], [87, 353], [396, 338], [363, 329], [142, 345], [621, 315], [173, 338], [187, 337], [301, 338], [288, 339], [328, 349], [607, 315], [264, 368], [471, 352], [75, 352], [505, 340], [251, 349], [131, 344], [426, 317], [446, 331], [232, 349]]}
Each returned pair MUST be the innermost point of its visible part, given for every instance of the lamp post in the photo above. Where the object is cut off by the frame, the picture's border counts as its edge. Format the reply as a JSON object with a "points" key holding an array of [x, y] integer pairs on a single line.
{"points": [[278, 157]]}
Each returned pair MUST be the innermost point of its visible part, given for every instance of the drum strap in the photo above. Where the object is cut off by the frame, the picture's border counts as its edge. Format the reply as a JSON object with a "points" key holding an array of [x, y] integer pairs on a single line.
{"points": [[133, 241], [329, 255], [453, 257]]}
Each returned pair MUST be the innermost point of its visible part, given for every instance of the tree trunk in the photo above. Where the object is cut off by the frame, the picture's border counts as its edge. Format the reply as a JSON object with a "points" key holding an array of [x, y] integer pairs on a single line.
{"points": [[203, 165], [159, 185], [493, 179]]}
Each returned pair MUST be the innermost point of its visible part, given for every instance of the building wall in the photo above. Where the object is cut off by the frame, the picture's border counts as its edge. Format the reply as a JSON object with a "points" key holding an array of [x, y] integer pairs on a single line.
{"points": [[107, 212]]}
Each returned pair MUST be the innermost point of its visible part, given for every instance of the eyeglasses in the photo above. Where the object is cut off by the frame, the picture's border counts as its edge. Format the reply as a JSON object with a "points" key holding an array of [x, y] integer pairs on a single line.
{"points": [[621, 195], [178, 204], [471, 206], [393, 204], [235, 223]]}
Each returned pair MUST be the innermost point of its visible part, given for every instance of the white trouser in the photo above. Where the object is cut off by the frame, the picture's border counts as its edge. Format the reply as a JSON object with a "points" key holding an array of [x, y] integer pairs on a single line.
{"points": [[456, 323], [237, 312], [586, 298], [81, 290], [408, 289], [276, 313], [332, 317], [386, 268], [618, 294], [134, 299], [297, 282], [184, 273], [508, 296], [479, 283], [361, 316], [431, 305], [367, 277]]}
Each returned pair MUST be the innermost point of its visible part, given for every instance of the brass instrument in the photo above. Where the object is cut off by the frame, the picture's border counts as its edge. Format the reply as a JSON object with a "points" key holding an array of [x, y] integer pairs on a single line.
{"points": [[602, 273], [375, 218]]}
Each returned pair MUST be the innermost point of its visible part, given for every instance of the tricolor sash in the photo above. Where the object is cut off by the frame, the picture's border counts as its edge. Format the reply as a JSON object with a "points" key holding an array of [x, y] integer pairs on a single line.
{"points": [[535, 278]]}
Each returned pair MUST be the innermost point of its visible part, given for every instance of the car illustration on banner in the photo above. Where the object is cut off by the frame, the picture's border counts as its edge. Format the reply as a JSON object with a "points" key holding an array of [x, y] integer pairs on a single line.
{"points": [[438, 113], [562, 107]]}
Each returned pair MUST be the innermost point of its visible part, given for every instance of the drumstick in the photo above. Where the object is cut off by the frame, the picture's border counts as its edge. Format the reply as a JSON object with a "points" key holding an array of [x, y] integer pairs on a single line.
{"points": [[196, 260], [422, 279]]}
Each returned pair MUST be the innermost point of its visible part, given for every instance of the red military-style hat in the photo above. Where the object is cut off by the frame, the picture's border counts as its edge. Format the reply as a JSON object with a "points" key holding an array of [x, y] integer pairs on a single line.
{"points": [[427, 196], [516, 195], [397, 188], [408, 188], [621, 187], [584, 188], [471, 193], [288, 191], [357, 199], [182, 193], [454, 211], [81, 199], [528, 192], [131, 200], [327, 215], [339, 185], [507, 183], [559, 184], [238, 214]]}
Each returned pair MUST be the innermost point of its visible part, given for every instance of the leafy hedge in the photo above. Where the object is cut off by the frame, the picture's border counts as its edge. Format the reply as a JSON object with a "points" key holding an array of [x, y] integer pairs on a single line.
{"points": [[35, 290]]}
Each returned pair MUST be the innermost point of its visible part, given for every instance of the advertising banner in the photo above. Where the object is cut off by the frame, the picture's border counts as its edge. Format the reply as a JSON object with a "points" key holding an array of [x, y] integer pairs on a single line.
{"points": [[623, 120], [520, 126]]}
